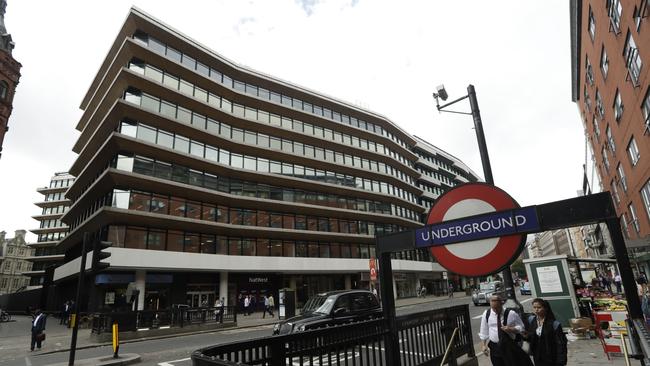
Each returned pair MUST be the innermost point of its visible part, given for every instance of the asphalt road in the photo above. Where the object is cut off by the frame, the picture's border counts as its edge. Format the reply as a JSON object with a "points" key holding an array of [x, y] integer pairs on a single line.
{"points": [[176, 351]]}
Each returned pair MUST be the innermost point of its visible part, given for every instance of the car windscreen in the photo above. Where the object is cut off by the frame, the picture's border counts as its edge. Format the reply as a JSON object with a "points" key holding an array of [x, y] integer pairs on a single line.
{"points": [[318, 304], [487, 286]]}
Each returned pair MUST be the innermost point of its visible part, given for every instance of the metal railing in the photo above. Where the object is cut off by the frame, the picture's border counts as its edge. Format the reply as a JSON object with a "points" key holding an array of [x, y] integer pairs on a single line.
{"points": [[423, 339], [154, 319]]}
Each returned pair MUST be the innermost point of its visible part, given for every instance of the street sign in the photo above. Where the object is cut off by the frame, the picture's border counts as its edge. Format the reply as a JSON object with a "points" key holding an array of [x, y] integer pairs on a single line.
{"points": [[373, 269], [476, 229]]}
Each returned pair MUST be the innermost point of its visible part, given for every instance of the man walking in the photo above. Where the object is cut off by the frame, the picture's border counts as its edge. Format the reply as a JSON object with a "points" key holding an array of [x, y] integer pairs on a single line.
{"points": [[266, 306], [38, 329], [271, 305], [495, 325], [617, 282]]}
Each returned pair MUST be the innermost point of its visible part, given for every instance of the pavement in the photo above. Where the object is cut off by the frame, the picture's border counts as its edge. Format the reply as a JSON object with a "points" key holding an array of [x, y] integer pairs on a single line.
{"points": [[15, 337]]}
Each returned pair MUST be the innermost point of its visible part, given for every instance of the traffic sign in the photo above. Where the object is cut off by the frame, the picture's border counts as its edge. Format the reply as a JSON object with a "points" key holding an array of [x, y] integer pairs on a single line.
{"points": [[373, 269], [476, 229]]}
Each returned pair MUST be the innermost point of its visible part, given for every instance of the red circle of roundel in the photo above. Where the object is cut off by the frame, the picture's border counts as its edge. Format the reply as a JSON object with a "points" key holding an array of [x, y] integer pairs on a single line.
{"points": [[507, 247]]}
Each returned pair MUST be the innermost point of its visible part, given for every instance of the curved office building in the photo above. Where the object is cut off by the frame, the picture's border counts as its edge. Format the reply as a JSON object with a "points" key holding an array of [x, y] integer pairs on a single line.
{"points": [[211, 179]]}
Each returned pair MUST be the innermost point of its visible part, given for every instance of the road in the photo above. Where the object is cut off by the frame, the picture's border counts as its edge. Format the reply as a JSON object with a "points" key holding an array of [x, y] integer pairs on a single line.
{"points": [[177, 350]]}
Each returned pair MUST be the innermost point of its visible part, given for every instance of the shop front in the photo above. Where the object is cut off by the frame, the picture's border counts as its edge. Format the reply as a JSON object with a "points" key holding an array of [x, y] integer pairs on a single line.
{"points": [[255, 285], [405, 284]]}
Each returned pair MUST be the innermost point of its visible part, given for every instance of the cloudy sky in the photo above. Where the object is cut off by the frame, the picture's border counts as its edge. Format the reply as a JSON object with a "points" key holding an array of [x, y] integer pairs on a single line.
{"points": [[386, 56]]}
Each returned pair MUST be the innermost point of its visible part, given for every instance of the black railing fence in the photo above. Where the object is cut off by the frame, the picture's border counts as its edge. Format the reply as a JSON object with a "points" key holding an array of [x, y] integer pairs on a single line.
{"points": [[154, 319], [423, 339]]}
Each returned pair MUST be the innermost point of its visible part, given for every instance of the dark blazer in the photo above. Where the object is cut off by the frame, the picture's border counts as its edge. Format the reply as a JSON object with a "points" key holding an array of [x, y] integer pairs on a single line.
{"points": [[551, 347], [38, 326]]}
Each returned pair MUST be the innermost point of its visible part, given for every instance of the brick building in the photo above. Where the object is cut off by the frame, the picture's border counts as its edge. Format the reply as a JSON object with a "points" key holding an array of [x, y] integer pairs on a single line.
{"points": [[9, 74], [610, 67]]}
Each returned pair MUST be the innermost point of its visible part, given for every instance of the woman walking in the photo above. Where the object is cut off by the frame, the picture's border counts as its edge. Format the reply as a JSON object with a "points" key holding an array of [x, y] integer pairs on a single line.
{"points": [[548, 344]]}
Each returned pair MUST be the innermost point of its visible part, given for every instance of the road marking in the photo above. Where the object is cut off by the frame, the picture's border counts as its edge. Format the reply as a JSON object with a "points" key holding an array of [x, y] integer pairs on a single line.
{"points": [[171, 363], [28, 362]]}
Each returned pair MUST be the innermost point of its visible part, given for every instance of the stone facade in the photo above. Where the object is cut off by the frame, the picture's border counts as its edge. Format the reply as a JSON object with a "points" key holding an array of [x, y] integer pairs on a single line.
{"points": [[9, 75], [13, 262]]}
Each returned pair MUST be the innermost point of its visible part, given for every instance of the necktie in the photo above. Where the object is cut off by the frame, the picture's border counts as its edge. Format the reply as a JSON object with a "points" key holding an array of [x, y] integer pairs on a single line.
{"points": [[498, 321]]}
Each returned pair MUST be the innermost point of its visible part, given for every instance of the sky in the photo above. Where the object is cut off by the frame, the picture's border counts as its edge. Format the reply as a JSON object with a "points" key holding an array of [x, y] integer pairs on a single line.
{"points": [[385, 56]]}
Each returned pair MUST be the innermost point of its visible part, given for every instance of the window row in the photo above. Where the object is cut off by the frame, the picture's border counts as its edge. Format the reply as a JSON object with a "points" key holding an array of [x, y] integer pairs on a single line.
{"points": [[178, 241], [56, 183], [436, 175], [235, 160], [52, 236], [253, 114], [55, 210], [58, 196], [51, 223], [177, 206], [140, 130], [448, 167], [260, 92], [178, 173]]}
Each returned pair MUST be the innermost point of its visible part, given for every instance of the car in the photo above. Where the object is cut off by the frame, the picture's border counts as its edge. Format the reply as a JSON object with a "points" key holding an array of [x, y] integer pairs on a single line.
{"points": [[525, 288], [486, 289], [332, 308]]}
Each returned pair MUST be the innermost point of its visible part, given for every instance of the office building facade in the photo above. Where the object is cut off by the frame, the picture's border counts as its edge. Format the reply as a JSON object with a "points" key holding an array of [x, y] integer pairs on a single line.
{"points": [[13, 262], [214, 180], [50, 229], [610, 43]]}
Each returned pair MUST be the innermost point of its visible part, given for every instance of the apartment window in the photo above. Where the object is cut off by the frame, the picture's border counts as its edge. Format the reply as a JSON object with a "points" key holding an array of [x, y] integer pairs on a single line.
{"points": [[605, 158], [610, 139], [599, 105], [596, 127], [590, 71], [633, 152], [645, 109], [604, 62], [587, 99], [626, 231], [645, 194], [621, 176], [614, 185], [592, 24], [618, 106], [632, 59], [615, 10], [633, 217]]}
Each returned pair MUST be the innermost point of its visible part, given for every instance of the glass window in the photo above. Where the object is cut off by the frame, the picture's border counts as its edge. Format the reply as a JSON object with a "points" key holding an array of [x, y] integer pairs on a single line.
{"points": [[197, 149], [143, 166], [234, 246], [250, 163], [645, 194], [604, 62], [135, 238], [192, 243], [121, 198], [236, 160], [168, 110], [165, 139], [162, 170], [193, 210], [181, 144], [146, 133], [189, 62], [139, 201], [156, 239], [150, 103], [646, 110], [633, 152], [633, 61], [262, 218], [180, 174], [175, 241], [173, 54], [171, 81], [208, 244], [263, 247], [159, 204], [222, 245], [633, 217], [129, 129], [248, 247], [211, 154], [621, 176], [184, 115]]}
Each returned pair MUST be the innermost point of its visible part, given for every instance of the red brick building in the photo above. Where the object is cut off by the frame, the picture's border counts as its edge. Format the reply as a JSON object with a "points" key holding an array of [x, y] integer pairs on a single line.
{"points": [[9, 75], [610, 60]]}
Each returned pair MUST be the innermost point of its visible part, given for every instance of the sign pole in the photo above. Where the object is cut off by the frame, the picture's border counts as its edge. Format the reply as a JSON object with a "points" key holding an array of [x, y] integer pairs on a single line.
{"points": [[487, 172]]}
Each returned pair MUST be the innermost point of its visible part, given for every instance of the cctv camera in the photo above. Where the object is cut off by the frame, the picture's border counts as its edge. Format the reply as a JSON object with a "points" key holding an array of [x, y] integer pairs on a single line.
{"points": [[442, 93]]}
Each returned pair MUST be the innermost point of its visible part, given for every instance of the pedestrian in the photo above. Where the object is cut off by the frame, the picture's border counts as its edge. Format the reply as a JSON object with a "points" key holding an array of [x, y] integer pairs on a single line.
{"points": [[271, 305], [499, 338], [548, 344], [643, 281], [38, 330], [617, 282], [64, 311], [607, 284], [218, 312], [423, 291], [252, 303], [247, 303], [266, 306], [450, 289], [374, 292]]}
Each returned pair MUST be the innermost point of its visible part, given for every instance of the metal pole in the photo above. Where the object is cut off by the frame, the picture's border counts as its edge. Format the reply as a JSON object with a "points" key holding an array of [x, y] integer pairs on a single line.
{"points": [[75, 315], [487, 172], [627, 277], [388, 305]]}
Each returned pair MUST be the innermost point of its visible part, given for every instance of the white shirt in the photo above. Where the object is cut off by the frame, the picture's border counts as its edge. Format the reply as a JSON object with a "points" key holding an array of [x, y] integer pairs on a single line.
{"points": [[489, 329], [617, 278]]}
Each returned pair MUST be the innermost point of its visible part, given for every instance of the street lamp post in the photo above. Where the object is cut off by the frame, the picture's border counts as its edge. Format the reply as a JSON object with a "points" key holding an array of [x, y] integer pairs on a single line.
{"points": [[441, 93]]}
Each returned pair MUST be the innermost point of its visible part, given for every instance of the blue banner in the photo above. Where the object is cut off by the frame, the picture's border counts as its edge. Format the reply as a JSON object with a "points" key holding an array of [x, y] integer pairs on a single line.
{"points": [[496, 224]]}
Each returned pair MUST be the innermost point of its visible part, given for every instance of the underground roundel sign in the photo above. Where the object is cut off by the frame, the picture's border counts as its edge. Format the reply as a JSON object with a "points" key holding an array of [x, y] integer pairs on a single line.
{"points": [[476, 210]]}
